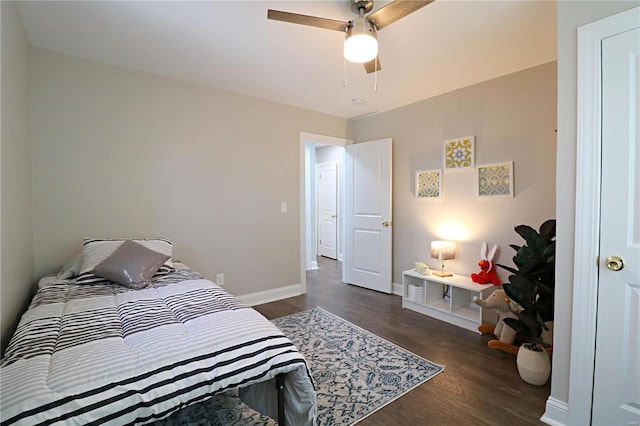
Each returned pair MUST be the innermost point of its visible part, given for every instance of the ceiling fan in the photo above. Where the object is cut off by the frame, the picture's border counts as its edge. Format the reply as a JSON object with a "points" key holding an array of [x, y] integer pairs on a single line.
{"points": [[361, 44]]}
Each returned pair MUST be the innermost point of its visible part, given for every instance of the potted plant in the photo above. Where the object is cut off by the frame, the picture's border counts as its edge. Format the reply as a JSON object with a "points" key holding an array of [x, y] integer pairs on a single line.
{"points": [[532, 286]]}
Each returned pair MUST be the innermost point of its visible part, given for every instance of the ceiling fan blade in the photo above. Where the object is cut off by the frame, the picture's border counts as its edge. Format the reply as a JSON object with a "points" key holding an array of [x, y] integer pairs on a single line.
{"points": [[394, 11], [371, 65], [295, 18]]}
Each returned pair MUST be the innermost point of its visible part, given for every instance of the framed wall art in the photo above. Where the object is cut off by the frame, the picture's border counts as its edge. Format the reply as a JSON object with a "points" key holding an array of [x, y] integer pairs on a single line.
{"points": [[459, 153], [495, 180], [429, 183]]}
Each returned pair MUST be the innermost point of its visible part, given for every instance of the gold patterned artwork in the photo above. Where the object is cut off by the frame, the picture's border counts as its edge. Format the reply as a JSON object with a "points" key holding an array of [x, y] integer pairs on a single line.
{"points": [[429, 183], [495, 180], [459, 153]]}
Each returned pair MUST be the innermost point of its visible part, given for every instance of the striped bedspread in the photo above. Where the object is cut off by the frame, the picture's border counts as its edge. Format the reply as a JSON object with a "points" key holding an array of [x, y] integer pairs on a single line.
{"points": [[102, 353]]}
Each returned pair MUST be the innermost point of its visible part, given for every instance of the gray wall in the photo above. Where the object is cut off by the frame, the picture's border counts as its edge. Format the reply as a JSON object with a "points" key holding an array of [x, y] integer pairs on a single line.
{"points": [[571, 15], [16, 230], [513, 118], [120, 153]]}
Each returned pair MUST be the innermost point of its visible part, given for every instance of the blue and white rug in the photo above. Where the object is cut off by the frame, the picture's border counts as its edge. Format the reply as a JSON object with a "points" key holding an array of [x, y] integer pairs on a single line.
{"points": [[355, 372]]}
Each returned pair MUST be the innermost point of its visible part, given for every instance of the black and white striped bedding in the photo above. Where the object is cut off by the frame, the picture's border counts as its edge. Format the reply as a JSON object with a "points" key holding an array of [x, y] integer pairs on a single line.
{"points": [[102, 353]]}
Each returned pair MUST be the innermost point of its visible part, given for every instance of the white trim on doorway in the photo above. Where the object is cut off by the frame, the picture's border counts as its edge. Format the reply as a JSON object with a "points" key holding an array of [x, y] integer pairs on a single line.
{"points": [[306, 170]]}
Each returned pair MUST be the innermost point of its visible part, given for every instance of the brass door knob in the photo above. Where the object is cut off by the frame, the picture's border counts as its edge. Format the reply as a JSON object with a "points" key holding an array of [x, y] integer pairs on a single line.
{"points": [[385, 223], [614, 263]]}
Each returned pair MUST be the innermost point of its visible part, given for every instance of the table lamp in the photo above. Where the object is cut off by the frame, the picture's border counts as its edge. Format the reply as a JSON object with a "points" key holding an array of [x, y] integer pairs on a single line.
{"points": [[443, 250]]}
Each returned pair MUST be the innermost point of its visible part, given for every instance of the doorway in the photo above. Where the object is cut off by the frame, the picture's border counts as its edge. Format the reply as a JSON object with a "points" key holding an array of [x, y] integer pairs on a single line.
{"points": [[364, 205], [312, 148]]}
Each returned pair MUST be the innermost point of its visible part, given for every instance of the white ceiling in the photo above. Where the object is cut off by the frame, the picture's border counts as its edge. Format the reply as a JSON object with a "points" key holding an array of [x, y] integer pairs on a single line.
{"points": [[232, 46]]}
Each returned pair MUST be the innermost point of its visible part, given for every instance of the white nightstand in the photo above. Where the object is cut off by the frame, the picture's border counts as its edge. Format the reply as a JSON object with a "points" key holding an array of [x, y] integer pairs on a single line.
{"points": [[457, 307]]}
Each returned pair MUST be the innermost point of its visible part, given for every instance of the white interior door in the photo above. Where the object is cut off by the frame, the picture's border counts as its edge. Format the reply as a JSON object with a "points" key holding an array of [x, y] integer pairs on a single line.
{"points": [[327, 188], [367, 260], [616, 387]]}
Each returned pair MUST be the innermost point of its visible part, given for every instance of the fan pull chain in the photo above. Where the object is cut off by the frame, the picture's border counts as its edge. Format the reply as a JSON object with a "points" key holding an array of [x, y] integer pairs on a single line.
{"points": [[375, 78], [344, 71], [375, 72]]}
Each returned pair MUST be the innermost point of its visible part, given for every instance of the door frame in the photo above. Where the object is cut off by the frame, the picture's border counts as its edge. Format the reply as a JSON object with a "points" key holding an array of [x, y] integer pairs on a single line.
{"points": [[587, 216], [306, 170]]}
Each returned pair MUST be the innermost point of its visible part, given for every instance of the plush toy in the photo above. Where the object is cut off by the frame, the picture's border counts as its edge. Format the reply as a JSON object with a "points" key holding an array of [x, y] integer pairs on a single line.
{"points": [[487, 272], [506, 309]]}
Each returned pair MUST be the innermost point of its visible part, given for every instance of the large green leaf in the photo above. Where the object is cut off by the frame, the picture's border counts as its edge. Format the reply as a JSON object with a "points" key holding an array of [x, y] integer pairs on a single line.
{"points": [[526, 298], [511, 292], [518, 326], [536, 243], [522, 230], [530, 318], [543, 288], [508, 268], [549, 253], [548, 229], [521, 282]]}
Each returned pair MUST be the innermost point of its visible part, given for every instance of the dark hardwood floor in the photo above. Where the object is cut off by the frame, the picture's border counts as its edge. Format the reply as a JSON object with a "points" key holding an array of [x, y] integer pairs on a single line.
{"points": [[479, 386]]}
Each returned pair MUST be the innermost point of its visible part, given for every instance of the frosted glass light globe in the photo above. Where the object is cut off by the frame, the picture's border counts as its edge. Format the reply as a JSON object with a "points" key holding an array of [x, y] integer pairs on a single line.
{"points": [[360, 44], [360, 48]]}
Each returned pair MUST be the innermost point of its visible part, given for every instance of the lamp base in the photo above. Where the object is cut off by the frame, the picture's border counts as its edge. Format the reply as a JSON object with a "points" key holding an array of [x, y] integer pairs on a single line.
{"points": [[442, 274]]}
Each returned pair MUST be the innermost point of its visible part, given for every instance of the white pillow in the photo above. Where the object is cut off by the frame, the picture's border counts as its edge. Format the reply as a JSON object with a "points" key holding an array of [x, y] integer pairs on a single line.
{"points": [[95, 250], [71, 268]]}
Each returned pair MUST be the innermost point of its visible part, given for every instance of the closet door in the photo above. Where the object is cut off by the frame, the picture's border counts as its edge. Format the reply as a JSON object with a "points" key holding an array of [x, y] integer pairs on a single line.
{"points": [[616, 391]]}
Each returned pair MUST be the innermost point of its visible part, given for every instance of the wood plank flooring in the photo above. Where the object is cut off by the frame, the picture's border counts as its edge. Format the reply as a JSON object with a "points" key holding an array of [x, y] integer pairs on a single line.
{"points": [[479, 386]]}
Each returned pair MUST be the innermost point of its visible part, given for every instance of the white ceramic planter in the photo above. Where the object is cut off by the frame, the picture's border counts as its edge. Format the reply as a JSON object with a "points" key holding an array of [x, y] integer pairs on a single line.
{"points": [[534, 366]]}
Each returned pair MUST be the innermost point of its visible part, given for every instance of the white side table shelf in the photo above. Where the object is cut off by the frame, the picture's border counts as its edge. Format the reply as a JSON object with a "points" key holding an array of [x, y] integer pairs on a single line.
{"points": [[457, 307]]}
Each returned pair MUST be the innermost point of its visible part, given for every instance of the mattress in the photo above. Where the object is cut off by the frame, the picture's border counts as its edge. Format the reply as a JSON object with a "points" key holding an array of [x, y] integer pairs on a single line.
{"points": [[103, 353]]}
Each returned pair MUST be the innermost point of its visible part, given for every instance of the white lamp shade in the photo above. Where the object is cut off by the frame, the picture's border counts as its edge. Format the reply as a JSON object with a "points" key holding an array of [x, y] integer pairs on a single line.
{"points": [[444, 250], [361, 44]]}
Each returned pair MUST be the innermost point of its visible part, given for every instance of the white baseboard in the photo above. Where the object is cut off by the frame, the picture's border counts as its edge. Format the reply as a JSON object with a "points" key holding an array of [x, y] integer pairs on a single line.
{"points": [[272, 295], [280, 293], [556, 414], [397, 289]]}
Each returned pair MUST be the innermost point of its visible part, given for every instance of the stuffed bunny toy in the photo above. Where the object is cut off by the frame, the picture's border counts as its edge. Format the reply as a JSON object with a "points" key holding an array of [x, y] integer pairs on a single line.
{"points": [[487, 272]]}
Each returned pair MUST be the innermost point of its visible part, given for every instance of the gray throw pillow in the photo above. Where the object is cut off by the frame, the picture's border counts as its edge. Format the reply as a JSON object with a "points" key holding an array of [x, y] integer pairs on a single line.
{"points": [[131, 265], [96, 250]]}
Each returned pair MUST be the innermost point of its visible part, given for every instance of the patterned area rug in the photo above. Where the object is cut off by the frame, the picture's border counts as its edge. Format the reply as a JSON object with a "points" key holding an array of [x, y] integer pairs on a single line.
{"points": [[355, 372]]}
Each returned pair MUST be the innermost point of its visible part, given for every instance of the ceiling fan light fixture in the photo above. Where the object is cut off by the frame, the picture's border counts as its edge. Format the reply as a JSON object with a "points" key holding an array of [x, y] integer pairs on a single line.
{"points": [[361, 44]]}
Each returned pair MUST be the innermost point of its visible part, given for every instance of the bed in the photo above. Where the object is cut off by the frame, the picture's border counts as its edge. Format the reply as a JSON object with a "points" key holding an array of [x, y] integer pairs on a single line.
{"points": [[93, 351]]}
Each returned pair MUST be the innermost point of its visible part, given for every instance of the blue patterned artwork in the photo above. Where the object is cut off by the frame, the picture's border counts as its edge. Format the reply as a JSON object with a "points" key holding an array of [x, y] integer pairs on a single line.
{"points": [[459, 153], [429, 183], [495, 180]]}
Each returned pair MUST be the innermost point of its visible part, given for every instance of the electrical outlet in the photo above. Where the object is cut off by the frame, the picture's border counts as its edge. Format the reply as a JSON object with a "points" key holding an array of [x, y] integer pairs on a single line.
{"points": [[220, 279]]}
